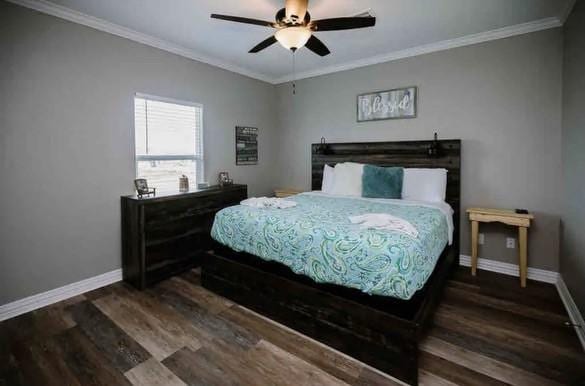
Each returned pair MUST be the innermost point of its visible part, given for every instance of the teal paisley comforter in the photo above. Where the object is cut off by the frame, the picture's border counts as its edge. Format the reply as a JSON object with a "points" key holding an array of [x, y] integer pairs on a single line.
{"points": [[316, 239]]}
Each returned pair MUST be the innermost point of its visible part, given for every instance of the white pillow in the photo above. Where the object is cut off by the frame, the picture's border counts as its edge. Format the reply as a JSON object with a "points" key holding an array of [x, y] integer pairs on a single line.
{"points": [[348, 179], [328, 176], [424, 184]]}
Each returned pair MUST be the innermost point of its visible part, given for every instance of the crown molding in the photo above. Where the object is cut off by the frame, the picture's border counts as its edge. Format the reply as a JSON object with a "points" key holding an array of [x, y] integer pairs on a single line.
{"points": [[115, 29], [568, 9], [468, 40], [62, 12]]}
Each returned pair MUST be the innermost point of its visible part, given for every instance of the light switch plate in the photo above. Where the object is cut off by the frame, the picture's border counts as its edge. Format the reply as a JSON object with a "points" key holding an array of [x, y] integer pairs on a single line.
{"points": [[511, 243]]}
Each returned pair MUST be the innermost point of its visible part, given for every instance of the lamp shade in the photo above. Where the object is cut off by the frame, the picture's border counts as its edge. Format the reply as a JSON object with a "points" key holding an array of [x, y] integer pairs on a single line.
{"points": [[293, 38]]}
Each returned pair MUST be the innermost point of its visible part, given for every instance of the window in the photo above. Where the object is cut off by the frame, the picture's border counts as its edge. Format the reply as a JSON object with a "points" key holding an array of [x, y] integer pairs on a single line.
{"points": [[169, 141]]}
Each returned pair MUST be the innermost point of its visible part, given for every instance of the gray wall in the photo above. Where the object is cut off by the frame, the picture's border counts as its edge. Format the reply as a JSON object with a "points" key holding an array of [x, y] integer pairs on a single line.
{"points": [[502, 98], [573, 217], [66, 150], [66, 122]]}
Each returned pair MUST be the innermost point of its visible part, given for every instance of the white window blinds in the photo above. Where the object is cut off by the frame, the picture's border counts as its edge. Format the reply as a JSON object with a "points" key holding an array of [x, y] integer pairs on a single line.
{"points": [[169, 141]]}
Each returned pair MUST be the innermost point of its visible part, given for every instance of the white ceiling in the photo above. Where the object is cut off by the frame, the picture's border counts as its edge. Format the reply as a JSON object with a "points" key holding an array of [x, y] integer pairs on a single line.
{"points": [[403, 28]]}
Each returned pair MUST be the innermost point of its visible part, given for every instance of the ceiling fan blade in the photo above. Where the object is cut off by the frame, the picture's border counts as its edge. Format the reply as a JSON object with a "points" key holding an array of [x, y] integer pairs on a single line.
{"points": [[244, 20], [317, 46], [341, 23], [262, 45]]}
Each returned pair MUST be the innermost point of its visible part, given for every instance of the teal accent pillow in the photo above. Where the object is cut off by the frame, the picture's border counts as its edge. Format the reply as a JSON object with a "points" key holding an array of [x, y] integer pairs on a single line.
{"points": [[380, 182]]}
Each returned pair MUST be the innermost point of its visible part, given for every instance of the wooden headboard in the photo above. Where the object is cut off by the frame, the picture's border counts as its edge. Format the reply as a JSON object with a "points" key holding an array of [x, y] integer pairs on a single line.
{"points": [[408, 154]]}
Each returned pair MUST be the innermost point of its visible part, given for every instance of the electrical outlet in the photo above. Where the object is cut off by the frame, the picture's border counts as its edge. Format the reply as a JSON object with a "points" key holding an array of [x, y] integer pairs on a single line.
{"points": [[481, 239], [511, 243]]}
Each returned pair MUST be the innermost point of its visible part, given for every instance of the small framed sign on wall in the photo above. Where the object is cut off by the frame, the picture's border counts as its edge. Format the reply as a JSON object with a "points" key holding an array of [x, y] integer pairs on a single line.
{"points": [[400, 103], [246, 145]]}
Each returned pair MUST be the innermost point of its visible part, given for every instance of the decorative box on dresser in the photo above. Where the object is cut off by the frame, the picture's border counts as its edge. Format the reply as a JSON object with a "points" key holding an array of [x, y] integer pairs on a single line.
{"points": [[165, 235]]}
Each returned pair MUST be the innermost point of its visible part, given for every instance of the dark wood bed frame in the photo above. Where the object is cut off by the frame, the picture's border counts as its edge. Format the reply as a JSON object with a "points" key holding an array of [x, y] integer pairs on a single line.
{"points": [[383, 332]]}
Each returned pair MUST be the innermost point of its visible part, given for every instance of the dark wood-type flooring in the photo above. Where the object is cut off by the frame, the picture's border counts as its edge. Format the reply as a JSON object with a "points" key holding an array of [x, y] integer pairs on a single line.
{"points": [[487, 331]]}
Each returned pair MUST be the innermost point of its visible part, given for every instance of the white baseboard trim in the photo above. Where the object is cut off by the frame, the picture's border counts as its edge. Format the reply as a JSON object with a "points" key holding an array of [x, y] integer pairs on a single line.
{"points": [[511, 269], [43, 299], [538, 275], [572, 310]]}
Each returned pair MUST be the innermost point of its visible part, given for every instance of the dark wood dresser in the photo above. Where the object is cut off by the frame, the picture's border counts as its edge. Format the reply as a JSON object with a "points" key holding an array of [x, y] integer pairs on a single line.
{"points": [[165, 235]]}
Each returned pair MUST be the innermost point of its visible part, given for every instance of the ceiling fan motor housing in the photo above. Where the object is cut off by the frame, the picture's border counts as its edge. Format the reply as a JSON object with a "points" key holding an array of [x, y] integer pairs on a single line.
{"points": [[293, 20], [295, 11]]}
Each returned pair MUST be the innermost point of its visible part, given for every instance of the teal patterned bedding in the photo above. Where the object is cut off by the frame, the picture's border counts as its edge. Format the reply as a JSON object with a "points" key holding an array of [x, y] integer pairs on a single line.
{"points": [[316, 239]]}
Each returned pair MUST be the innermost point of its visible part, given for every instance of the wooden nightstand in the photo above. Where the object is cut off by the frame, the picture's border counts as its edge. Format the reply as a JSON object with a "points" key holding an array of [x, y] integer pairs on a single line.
{"points": [[281, 193], [509, 217]]}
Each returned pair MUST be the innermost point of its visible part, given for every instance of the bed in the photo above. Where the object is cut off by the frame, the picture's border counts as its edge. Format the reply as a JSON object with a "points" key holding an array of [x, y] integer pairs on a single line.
{"points": [[317, 239], [367, 293]]}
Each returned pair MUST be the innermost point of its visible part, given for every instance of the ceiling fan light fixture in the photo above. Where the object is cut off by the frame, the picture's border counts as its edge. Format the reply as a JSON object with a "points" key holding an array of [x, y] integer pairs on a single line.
{"points": [[293, 38]]}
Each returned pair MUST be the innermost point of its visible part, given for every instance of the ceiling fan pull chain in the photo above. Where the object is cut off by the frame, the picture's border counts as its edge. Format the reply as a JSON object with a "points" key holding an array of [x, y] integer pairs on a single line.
{"points": [[294, 86]]}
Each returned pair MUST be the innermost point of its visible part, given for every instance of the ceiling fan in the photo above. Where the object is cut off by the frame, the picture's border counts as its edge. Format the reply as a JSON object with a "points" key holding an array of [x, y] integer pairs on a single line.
{"points": [[294, 27]]}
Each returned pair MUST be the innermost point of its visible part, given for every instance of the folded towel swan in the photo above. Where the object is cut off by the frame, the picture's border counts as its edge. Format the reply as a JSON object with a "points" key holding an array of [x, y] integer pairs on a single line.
{"points": [[384, 221], [268, 202]]}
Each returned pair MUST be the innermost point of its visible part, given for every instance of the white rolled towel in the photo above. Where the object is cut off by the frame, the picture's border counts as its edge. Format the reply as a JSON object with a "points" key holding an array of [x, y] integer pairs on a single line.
{"points": [[268, 202], [384, 221]]}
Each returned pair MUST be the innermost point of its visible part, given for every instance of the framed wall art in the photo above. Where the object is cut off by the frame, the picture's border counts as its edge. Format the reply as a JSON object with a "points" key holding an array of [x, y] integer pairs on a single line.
{"points": [[246, 145], [400, 103]]}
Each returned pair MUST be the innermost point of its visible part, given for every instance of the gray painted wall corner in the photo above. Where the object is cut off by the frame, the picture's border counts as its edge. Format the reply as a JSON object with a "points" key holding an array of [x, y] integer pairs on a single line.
{"points": [[573, 242]]}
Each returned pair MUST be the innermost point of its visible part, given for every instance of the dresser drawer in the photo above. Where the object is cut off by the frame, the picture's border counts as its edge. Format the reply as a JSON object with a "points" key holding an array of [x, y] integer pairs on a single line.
{"points": [[185, 245], [165, 235], [159, 215]]}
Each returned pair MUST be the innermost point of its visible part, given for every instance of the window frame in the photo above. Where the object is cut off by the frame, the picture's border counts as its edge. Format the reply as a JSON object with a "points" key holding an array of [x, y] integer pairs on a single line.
{"points": [[199, 160]]}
